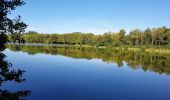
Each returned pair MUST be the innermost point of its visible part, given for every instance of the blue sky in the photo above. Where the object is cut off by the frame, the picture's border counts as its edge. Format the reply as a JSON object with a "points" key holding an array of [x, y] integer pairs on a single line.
{"points": [[97, 16]]}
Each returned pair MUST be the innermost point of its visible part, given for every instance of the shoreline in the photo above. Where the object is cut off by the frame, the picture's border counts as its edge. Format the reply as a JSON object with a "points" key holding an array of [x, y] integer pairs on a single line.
{"points": [[135, 49]]}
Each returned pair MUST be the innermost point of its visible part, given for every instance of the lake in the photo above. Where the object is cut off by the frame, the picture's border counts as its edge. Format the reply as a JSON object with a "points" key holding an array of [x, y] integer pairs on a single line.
{"points": [[74, 73]]}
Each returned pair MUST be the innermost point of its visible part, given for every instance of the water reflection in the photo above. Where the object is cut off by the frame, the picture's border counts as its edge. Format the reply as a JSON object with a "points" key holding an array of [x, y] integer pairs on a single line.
{"points": [[8, 74], [158, 63]]}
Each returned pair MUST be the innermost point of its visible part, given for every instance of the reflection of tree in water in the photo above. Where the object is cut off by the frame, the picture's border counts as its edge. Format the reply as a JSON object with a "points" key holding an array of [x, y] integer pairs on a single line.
{"points": [[157, 63], [14, 27], [8, 74]]}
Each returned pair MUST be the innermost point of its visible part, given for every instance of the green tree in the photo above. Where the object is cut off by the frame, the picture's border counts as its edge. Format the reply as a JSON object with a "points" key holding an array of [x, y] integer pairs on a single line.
{"points": [[8, 25], [147, 36], [136, 36], [158, 35], [107, 39], [122, 34]]}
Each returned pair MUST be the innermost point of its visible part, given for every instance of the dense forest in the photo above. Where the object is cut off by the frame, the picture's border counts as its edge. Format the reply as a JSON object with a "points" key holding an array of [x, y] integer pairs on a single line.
{"points": [[149, 37]]}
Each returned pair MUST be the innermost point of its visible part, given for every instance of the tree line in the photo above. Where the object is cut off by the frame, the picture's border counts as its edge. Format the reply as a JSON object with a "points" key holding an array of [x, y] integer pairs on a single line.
{"points": [[156, 37]]}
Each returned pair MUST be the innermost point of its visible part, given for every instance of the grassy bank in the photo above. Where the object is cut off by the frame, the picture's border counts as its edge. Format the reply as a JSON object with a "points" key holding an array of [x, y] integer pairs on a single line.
{"points": [[150, 50], [159, 50]]}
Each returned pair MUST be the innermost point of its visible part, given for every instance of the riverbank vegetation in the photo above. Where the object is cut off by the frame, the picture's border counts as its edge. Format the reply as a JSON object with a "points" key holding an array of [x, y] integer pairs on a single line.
{"points": [[155, 37]]}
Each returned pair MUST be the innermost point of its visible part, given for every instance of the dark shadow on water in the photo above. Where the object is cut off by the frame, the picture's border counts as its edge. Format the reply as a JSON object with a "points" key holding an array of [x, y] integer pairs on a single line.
{"points": [[7, 74]]}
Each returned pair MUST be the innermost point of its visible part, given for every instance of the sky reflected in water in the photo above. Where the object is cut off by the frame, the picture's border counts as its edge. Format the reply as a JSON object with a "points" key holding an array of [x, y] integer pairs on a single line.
{"points": [[61, 76]]}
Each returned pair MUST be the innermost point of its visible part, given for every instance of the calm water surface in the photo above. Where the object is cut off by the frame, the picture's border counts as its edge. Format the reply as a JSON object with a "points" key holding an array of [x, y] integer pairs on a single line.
{"points": [[85, 74]]}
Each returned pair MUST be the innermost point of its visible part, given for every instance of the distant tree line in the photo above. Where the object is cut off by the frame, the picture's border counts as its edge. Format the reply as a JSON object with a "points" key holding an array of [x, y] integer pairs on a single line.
{"points": [[155, 37]]}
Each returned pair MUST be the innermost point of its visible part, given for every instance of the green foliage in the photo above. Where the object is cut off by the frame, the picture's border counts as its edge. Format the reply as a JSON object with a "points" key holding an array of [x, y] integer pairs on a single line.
{"points": [[156, 37], [7, 25]]}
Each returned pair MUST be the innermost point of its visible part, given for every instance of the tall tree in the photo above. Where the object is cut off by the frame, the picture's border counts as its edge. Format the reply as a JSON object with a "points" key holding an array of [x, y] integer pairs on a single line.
{"points": [[147, 36], [122, 34], [136, 36]]}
